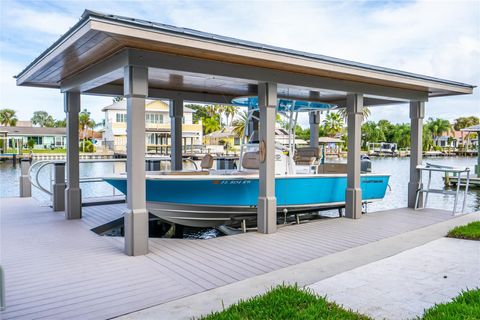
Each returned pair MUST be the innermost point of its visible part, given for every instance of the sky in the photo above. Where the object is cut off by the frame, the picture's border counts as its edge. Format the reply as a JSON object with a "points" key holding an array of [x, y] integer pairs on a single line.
{"points": [[435, 38]]}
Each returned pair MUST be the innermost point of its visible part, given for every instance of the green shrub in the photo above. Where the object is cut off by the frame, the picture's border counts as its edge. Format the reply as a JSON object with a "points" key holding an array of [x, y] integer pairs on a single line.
{"points": [[31, 143], [88, 147]]}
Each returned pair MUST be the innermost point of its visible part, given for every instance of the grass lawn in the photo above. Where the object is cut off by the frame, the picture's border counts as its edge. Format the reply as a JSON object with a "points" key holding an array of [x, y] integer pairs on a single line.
{"points": [[464, 307], [27, 151], [291, 302], [49, 151], [470, 231], [285, 302]]}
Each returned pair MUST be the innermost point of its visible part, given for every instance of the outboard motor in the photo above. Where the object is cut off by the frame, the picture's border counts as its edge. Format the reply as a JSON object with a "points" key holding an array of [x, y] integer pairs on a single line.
{"points": [[365, 164]]}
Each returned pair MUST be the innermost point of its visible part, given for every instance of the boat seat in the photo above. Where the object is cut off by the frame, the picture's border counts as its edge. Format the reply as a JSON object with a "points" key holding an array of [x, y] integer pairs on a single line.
{"points": [[207, 162], [251, 160], [307, 156], [305, 161], [332, 168]]}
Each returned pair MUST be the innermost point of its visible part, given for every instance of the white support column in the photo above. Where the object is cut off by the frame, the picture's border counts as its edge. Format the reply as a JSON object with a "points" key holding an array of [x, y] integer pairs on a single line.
{"points": [[176, 115], [267, 202], [353, 196], [417, 113], [73, 193], [136, 216], [314, 117]]}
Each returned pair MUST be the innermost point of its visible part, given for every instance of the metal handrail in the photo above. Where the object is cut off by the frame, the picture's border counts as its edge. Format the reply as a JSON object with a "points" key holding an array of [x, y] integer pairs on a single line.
{"points": [[43, 163], [35, 182]]}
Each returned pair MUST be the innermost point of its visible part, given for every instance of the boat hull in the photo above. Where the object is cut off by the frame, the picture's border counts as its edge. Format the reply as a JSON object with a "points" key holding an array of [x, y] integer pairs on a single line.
{"points": [[208, 201]]}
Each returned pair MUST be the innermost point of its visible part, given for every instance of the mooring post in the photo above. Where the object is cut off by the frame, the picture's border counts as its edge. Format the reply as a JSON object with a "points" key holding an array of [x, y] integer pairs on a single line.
{"points": [[59, 186], [25, 184]]}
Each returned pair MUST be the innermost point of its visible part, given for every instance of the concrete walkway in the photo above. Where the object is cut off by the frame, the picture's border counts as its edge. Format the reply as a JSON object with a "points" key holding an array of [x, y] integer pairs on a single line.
{"points": [[403, 286], [317, 270]]}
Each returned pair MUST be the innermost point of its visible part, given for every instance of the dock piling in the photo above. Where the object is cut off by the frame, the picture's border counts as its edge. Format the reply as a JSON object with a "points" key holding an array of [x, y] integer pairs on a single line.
{"points": [[59, 187], [25, 184]]}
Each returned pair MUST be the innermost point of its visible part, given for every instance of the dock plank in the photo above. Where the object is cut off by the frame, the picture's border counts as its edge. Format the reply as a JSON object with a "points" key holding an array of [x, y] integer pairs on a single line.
{"points": [[57, 268]]}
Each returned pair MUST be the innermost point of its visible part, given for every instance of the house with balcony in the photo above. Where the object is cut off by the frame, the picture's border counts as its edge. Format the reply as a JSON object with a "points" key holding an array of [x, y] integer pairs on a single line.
{"points": [[157, 129]]}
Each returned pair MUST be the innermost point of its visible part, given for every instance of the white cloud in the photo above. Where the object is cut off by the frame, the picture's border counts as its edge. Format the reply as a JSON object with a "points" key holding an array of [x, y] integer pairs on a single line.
{"points": [[49, 22]]}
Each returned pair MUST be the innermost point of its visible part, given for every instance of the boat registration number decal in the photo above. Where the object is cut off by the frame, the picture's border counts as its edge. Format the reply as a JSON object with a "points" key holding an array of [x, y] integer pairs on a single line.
{"points": [[372, 181], [231, 182]]}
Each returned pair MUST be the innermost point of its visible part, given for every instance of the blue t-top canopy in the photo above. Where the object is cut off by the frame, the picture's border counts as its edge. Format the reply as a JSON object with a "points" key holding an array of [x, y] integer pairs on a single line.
{"points": [[284, 105]]}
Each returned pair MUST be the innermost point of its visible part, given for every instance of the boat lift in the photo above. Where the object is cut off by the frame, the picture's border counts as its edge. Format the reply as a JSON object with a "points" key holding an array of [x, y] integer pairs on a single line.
{"points": [[445, 169]]}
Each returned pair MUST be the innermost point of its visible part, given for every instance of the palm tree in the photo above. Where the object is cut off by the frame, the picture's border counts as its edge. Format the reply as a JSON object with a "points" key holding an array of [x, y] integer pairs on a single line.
{"points": [[212, 110], [230, 111], [365, 113], [240, 124], [210, 125], [43, 119], [439, 126], [8, 117], [220, 109], [85, 122], [333, 124]]}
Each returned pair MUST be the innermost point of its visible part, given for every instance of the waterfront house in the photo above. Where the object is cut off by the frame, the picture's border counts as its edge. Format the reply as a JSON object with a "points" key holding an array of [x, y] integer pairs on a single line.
{"points": [[43, 137], [157, 127], [227, 136], [449, 139]]}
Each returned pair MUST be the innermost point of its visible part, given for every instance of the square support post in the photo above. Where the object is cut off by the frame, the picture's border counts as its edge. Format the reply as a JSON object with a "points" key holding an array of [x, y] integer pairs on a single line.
{"points": [[176, 116], [353, 196], [267, 202], [136, 216], [73, 193], [314, 117], [417, 113]]}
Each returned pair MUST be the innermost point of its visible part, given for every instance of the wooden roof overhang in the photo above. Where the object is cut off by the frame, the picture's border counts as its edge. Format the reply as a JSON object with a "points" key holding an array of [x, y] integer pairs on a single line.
{"points": [[90, 58]]}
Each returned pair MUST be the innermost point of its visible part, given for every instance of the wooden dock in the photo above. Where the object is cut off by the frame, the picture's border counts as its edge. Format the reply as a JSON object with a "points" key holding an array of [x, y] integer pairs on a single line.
{"points": [[56, 268]]}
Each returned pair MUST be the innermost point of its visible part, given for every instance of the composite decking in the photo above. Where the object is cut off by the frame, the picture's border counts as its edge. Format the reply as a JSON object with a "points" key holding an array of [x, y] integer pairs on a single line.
{"points": [[56, 268]]}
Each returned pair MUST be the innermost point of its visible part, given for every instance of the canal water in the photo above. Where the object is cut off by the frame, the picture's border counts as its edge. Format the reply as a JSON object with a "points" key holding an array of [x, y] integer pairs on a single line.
{"points": [[396, 196]]}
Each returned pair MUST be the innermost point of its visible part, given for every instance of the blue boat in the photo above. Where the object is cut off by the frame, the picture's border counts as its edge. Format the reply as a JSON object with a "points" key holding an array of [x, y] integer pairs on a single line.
{"points": [[213, 200]]}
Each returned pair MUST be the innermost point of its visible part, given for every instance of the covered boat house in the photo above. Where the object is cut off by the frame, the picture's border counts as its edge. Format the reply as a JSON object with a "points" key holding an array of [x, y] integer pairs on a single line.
{"points": [[119, 56]]}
